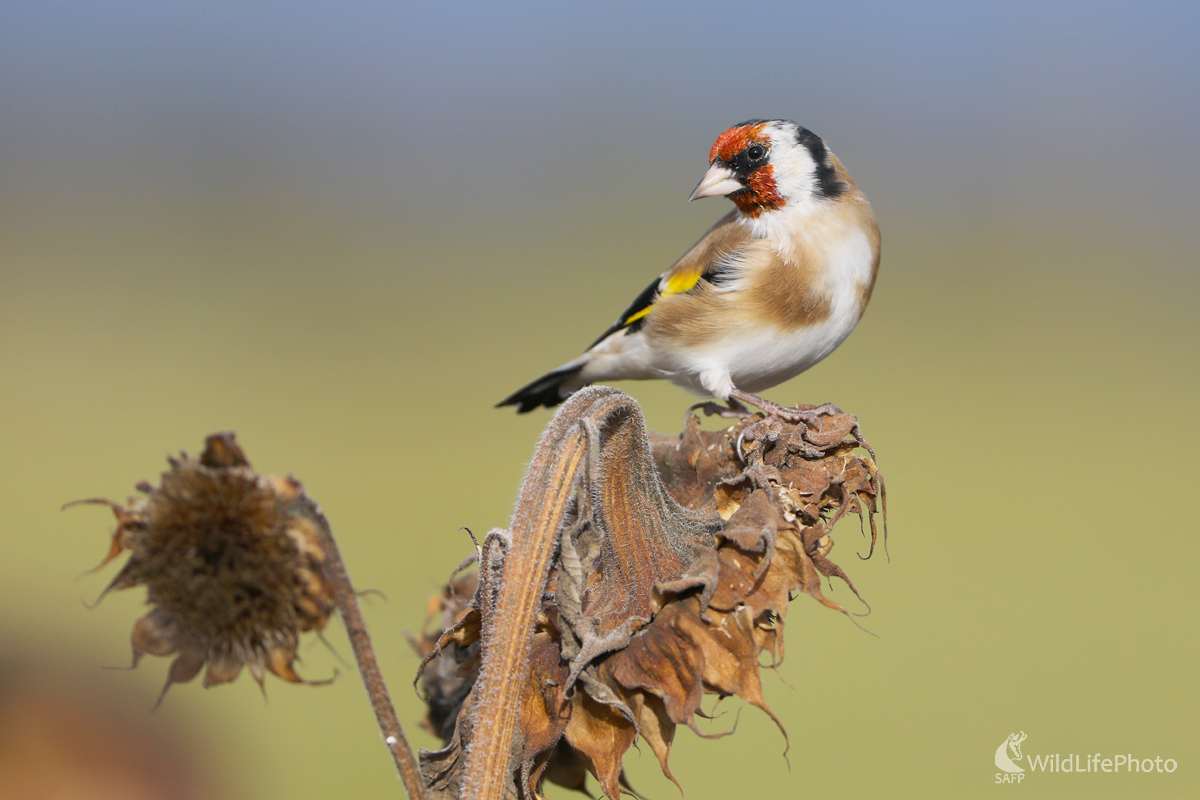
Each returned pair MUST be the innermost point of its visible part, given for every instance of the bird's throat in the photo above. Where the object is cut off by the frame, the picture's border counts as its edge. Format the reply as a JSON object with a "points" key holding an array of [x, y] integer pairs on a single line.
{"points": [[760, 195]]}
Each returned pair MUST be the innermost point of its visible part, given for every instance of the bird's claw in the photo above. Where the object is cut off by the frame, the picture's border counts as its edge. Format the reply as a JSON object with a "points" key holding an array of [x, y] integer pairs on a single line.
{"points": [[810, 417], [734, 410]]}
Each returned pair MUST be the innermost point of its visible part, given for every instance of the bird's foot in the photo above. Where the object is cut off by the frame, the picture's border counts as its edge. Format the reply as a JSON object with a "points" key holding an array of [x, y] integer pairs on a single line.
{"points": [[811, 417], [734, 410]]}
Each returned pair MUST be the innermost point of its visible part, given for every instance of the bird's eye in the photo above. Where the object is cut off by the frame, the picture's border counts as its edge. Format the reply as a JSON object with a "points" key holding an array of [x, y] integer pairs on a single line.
{"points": [[756, 152]]}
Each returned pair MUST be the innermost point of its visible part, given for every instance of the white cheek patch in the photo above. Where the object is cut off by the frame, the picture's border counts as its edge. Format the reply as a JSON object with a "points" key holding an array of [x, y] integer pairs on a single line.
{"points": [[795, 175]]}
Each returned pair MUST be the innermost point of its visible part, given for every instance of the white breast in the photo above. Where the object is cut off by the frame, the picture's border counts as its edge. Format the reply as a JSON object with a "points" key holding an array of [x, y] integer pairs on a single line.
{"points": [[758, 358]]}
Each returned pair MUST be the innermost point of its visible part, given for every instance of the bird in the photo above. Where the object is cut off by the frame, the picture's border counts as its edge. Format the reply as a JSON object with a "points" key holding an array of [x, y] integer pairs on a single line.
{"points": [[770, 290]]}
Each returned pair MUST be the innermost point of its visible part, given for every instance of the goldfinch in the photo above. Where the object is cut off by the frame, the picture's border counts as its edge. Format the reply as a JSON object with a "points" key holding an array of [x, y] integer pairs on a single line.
{"points": [[766, 293]]}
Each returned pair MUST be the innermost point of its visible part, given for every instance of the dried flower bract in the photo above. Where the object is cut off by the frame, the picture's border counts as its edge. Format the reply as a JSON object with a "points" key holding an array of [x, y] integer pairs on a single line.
{"points": [[232, 565]]}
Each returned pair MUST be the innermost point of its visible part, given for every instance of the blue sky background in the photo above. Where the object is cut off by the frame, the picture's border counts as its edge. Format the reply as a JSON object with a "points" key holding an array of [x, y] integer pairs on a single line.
{"points": [[464, 104]]}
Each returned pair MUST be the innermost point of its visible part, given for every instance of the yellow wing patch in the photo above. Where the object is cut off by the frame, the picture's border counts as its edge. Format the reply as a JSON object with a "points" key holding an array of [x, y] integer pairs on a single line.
{"points": [[635, 317], [678, 283], [724, 237], [681, 282]]}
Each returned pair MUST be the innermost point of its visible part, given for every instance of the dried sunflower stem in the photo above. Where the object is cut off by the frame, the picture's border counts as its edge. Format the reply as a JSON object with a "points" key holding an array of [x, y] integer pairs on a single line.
{"points": [[536, 522], [368, 666]]}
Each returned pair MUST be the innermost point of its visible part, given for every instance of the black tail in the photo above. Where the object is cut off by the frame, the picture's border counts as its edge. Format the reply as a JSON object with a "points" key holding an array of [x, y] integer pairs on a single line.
{"points": [[545, 391]]}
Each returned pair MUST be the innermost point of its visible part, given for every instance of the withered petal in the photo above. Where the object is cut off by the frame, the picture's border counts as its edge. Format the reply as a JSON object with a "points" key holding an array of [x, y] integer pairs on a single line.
{"points": [[154, 634], [184, 668], [564, 767], [656, 728], [222, 450], [222, 669], [753, 527], [601, 736], [664, 664], [254, 663], [731, 659], [280, 660], [544, 711]]}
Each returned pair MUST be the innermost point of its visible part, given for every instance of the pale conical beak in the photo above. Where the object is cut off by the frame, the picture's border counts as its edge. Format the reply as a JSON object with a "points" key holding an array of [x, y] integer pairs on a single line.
{"points": [[717, 181]]}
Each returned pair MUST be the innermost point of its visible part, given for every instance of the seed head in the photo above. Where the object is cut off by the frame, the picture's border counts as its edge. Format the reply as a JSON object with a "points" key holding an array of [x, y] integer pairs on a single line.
{"points": [[232, 564]]}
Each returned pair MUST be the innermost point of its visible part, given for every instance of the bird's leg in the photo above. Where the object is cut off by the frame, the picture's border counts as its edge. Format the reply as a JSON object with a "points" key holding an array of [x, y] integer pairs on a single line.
{"points": [[810, 416], [734, 410]]}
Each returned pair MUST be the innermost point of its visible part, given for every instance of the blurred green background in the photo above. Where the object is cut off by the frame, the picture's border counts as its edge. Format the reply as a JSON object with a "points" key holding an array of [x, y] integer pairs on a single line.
{"points": [[345, 234]]}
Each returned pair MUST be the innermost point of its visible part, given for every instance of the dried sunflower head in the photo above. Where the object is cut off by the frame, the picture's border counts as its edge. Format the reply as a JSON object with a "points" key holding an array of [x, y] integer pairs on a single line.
{"points": [[670, 574], [232, 564]]}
